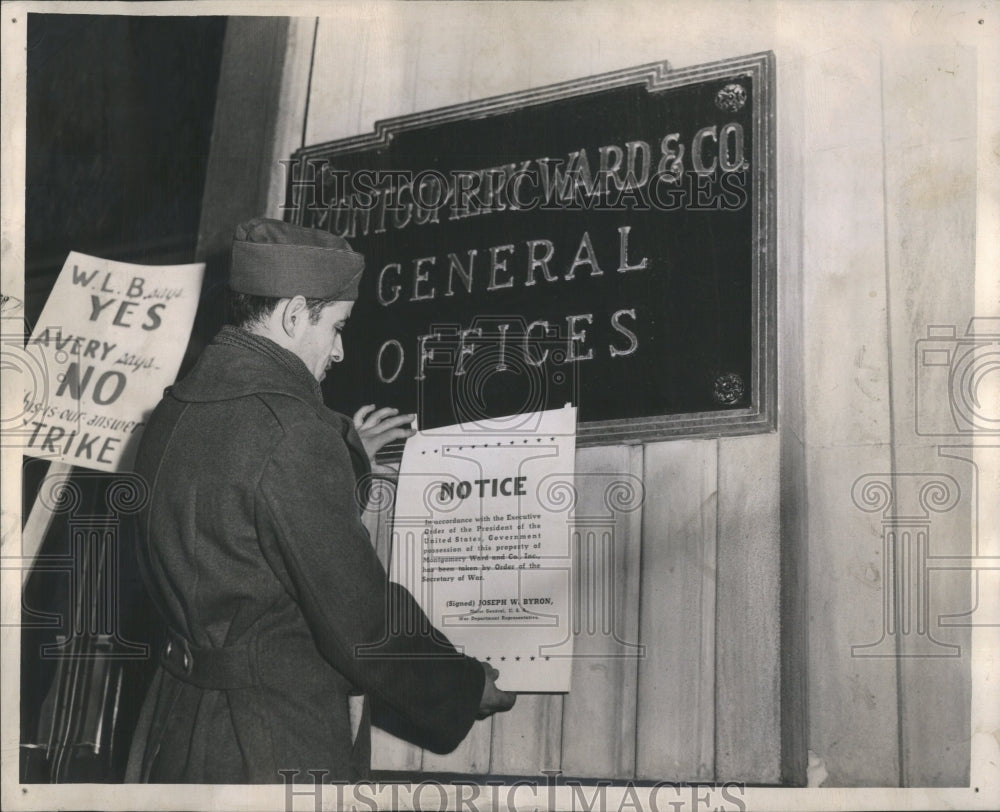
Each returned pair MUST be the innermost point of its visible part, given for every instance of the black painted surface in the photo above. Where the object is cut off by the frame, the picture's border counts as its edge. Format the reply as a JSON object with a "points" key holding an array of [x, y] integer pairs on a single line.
{"points": [[119, 119]]}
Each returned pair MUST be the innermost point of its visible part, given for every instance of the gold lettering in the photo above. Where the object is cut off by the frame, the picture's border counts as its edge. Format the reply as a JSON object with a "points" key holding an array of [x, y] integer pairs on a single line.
{"points": [[539, 262], [498, 264], [697, 150], [464, 349], [419, 277], [585, 256], [575, 336], [455, 264], [527, 338], [633, 340], [381, 288], [623, 266]]}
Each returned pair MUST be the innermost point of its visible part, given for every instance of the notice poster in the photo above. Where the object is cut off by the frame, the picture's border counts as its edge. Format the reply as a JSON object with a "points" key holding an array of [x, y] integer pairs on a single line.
{"points": [[110, 338], [482, 538]]}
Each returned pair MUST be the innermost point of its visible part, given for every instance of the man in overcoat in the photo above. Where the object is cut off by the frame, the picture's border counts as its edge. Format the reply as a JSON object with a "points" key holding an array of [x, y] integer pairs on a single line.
{"points": [[279, 613]]}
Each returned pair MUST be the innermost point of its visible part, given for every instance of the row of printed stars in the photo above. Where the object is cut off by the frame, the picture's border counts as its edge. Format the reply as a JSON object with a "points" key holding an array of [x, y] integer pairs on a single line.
{"points": [[516, 658], [488, 445]]}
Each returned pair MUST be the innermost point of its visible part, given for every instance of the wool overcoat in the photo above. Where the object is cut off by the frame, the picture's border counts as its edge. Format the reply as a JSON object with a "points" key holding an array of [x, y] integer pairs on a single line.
{"points": [[278, 608]]}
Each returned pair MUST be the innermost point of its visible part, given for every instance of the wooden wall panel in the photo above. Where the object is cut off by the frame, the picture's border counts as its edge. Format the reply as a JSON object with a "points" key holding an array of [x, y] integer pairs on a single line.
{"points": [[527, 740], [499, 65], [388, 87], [337, 87], [675, 723], [598, 720], [471, 756], [748, 586], [446, 56], [847, 426], [239, 173], [293, 99], [853, 712], [792, 497], [930, 146], [794, 612], [382, 61]]}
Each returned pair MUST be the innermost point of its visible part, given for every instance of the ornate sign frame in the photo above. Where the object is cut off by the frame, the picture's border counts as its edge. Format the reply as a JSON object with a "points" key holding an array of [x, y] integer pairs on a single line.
{"points": [[752, 402]]}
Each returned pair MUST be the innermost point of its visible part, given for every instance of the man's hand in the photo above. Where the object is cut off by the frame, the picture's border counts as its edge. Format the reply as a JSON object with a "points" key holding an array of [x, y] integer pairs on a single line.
{"points": [[376, 427], [494, 700]]}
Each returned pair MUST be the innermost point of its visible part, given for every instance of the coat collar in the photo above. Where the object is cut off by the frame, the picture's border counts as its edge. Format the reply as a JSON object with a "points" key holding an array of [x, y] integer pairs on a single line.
{"points": [[237, 364]]}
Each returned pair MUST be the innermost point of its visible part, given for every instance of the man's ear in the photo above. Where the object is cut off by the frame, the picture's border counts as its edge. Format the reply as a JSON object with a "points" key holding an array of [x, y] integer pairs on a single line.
{"points": [[296, 312]]}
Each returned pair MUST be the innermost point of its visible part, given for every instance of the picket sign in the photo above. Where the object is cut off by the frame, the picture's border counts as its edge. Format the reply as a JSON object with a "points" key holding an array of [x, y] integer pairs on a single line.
{"points": [[110, 338]]}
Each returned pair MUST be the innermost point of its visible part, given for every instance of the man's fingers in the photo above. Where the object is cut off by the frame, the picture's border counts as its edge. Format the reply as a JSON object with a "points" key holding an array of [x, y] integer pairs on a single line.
{"points": [[377, 439], [361, 414], [376, 417], [400, 433], [394, 422], [395, 426], [377, 427], [494, 700]]}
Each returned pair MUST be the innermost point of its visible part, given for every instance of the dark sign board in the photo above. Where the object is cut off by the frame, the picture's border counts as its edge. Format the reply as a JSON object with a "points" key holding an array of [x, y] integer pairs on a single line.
{"points": [[606, 242]]}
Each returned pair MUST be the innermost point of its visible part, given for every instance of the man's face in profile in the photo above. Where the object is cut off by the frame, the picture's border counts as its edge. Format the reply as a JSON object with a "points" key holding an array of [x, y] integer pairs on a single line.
{"points": [[319, 344]]}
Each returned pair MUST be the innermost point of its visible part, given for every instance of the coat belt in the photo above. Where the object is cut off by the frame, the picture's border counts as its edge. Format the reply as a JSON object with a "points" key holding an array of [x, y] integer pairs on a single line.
{"points": [[221, 669]]}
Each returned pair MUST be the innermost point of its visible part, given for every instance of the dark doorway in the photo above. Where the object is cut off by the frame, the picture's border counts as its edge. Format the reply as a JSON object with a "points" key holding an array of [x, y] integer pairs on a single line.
{"points": [[119, 123]]}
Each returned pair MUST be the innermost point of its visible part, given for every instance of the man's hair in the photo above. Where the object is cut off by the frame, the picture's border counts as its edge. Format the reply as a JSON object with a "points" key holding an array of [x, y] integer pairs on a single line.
{"points": [[245, 309]]}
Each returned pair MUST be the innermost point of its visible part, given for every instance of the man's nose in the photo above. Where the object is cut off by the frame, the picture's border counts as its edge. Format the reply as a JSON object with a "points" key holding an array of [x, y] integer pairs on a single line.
{"points": [[338, 350]]}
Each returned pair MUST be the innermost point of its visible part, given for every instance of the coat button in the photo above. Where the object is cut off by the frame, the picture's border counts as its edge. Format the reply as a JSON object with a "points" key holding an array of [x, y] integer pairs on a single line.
{"points": [[187, 662], [168, 649]]}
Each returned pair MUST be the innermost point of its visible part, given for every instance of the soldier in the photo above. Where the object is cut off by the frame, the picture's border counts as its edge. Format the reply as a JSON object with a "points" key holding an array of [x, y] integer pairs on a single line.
{"points": [[278, 611]]}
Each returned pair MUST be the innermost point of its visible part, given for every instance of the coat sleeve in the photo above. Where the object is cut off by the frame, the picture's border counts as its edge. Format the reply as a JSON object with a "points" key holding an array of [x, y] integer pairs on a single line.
{"points": [[371, 631]]}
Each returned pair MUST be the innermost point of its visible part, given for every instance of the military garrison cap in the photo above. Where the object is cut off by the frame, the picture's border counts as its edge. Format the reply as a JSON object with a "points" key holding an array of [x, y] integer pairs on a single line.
{"points": [[276, 259]]}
